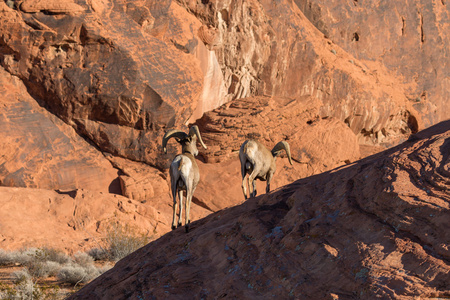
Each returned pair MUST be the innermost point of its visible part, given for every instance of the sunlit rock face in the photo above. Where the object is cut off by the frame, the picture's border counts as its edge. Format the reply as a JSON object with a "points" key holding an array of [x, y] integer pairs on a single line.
{"points": [[408, 38]]}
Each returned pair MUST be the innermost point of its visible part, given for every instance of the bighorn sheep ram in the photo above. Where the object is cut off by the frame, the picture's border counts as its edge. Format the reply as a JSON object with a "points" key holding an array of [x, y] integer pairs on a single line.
{"points": [[184, 174], [259, 163]]}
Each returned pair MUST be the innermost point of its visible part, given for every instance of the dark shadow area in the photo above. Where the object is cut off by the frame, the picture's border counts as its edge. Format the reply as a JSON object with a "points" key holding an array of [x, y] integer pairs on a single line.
{"points": [[114, 187], [201, 204], [430, 131]]}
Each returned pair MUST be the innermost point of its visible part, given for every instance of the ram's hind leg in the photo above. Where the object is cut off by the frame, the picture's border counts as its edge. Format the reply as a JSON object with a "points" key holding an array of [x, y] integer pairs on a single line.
{"points": [[189, 194], [180, 196], [244, 183], [254, 188], [252, 184], [175, 205]]}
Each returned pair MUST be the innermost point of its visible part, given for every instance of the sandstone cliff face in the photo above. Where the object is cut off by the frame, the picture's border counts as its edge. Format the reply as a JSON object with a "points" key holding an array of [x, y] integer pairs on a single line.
{"points": [[88, 88], [271, 49], [409, 38], [122, 72], [38, 150], [376, 228], [112, 67]]}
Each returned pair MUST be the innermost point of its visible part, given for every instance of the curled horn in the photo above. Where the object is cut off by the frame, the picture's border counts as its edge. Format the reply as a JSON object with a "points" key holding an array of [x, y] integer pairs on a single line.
{"points": [[194, 131], [173, 133], [283, 145]]}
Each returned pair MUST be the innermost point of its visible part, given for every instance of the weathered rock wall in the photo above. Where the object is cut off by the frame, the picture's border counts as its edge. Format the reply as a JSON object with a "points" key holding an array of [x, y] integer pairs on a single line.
{"points": [[267, 48], [108, 68], [410, 38], [38, 150], [121, 69]]}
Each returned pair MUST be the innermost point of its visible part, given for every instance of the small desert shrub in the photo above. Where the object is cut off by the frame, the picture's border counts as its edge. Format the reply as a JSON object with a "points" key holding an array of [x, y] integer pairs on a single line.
{"points": [[123, 240], [24, 256], [5, 258], [43, 269], [32, 255], [21, 275], [52, 268], [75, 274], [83, 259], [16, 257], [49, 254], [26, 288], [46, 262], [98, 254]]}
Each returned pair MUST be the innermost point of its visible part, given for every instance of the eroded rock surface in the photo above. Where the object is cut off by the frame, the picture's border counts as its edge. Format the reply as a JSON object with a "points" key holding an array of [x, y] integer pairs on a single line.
{"points": [[123, 72], [320, 143], [72, 221], [111, 67], [376, 228], [75, 220], [272, 49], [409, 38], [38, 150]]}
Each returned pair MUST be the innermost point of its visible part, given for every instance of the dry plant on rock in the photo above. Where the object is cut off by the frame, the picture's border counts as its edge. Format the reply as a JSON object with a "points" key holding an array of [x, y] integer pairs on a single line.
{"points": [[123, 240]]}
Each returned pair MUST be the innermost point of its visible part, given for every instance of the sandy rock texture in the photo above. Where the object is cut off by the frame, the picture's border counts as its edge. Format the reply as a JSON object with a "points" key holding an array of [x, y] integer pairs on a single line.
{"points": [[375, 228], [76, 220], [122, 72], [114, 70], [267, 48], [73, 221], [409, 38], [89, 87], [38, 150]]}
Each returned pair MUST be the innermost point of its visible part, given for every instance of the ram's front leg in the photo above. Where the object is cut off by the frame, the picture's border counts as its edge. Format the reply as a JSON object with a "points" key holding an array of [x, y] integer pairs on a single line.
{"points": [[244, 184], [269, 178]]}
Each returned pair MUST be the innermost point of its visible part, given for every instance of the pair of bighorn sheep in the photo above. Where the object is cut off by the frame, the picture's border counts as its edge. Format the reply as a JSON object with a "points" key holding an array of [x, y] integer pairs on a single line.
{"points": [[256, 161]]}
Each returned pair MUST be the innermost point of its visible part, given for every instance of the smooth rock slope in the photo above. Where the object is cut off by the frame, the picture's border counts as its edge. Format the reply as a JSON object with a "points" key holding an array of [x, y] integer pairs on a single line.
{"points": [[376, 228]]}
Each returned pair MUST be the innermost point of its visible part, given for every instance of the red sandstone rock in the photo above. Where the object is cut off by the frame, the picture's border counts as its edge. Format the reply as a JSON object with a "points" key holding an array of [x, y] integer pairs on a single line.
{"points": [[318, 143], [133, 64], [72, 221], [120, 68], [75, 220], [410, 38], [376, 228], [51, 6], [271, 49], [38, 150], [122, 72]]}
